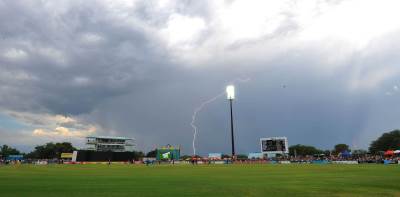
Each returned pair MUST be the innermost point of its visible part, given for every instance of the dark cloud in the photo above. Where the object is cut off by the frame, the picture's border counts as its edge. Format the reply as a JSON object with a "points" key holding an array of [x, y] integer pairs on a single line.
{"points": [[120, 67], [68, 75]]}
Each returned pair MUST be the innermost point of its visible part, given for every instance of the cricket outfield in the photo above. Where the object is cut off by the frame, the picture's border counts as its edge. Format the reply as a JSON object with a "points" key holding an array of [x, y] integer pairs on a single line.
{"points": [[201, 180]]}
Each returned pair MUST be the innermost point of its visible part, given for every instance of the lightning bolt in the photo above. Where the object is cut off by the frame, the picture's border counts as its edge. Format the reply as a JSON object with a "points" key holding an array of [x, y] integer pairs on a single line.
{"points": [[196, 111], [202, 105]]}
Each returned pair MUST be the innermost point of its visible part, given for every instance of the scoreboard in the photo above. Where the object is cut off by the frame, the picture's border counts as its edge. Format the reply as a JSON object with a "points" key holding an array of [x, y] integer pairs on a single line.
{"points": [[274, 145], [168, 152]]}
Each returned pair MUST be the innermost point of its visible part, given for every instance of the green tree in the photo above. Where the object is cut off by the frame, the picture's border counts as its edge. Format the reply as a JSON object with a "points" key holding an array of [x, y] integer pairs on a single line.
{"points": [[241, 157], [303, 150], [51, 150], [339, 148], [6, 150], [138, 155], [225, 156], [389, 140], [327, 152], [64, 147], [152, 153]]}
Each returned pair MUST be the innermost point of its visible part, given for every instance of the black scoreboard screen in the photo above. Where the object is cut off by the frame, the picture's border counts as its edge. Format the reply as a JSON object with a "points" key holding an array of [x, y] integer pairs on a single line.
{"points": [[272, 145]]}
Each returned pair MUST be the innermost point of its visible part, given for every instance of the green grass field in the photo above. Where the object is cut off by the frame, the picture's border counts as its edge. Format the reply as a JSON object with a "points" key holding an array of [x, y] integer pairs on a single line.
{"points": [[214, 180]]}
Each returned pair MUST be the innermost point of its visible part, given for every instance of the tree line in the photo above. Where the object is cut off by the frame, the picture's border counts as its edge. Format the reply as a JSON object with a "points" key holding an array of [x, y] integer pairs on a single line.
{"points": [[387, 141], [47, 151], [303, 150]]}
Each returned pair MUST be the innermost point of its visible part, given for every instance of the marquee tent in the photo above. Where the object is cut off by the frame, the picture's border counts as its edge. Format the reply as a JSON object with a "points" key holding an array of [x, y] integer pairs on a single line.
{"points": [[389, 152]]}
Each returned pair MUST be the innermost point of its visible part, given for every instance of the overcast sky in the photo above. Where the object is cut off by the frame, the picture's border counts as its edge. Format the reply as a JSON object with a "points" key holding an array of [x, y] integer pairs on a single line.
{"points": [[320, 72]]}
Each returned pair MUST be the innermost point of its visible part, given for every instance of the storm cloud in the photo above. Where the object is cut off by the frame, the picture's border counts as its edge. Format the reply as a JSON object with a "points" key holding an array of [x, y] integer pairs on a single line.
{"points": [[321, 72]]}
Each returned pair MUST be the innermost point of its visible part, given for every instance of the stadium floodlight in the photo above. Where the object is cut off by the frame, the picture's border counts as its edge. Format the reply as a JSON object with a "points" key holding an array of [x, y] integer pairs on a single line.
{"points": [[230, 92]]}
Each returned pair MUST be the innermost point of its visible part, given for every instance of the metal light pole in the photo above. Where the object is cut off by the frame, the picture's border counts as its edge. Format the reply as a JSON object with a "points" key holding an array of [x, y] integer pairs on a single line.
{"points": [[230, 93]]}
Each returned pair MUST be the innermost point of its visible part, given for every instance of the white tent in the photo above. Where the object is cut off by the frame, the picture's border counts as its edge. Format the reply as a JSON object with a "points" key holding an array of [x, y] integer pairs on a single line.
{"points": [[396, 151]]}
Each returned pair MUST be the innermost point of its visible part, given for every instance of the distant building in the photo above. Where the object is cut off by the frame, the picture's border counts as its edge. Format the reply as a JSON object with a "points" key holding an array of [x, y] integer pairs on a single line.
{"points": [[215, 156], [113, 144], [255, 156]]}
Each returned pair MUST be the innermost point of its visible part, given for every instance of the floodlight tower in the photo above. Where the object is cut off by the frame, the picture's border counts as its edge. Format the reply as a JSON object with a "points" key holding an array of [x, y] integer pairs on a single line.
{"points": [[230, 94]]}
